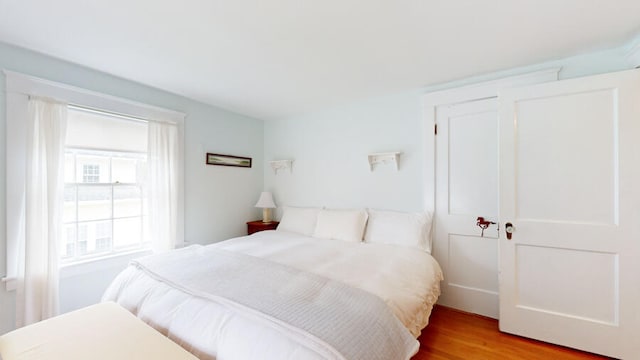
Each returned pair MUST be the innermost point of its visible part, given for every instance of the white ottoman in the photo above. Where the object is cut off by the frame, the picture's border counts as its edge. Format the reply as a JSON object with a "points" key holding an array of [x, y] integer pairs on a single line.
{"points": [[103, 331]]}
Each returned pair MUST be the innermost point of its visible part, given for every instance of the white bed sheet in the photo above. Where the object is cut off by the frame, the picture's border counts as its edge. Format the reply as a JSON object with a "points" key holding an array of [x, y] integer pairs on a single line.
{"points": [[407, 279]]}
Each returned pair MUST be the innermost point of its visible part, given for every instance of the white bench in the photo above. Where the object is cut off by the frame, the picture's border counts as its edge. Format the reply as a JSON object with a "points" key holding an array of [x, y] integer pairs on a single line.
{"points": [[100, 332]]}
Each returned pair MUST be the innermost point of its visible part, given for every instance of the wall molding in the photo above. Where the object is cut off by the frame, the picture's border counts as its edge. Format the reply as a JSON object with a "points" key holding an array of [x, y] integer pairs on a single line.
{"points": [[488, 89], [30, 85], [633, 56]]}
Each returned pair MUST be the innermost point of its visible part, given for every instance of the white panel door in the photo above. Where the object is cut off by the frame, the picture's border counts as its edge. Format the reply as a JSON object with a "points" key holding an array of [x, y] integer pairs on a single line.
{"points": [[467, 187], [569, 160]]}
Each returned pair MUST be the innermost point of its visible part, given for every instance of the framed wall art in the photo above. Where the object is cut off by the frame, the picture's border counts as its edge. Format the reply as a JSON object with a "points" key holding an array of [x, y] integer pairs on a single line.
{"points": [[228, 160]]}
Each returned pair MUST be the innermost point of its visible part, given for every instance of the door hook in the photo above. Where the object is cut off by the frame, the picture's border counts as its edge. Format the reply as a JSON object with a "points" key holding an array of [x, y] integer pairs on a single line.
{"points": [[483, 224]]}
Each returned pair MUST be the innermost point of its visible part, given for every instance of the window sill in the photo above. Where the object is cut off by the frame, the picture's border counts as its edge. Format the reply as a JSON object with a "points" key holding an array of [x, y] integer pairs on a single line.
{"points": [[86, 266], [100, 264]]}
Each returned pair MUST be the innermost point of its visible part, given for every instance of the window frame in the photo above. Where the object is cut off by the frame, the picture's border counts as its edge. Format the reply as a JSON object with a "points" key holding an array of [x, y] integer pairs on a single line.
{"points": [[18, 89], [110, 250]]}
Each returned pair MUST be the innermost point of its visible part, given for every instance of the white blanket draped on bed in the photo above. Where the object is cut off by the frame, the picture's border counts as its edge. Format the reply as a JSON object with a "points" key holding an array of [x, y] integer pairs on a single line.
{"points": [[408, 280], [405, 279], [339, 321]]}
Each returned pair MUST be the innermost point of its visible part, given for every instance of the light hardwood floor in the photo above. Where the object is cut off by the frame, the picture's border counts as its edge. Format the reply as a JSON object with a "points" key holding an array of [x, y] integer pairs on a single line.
{"points": [[455, 335]]}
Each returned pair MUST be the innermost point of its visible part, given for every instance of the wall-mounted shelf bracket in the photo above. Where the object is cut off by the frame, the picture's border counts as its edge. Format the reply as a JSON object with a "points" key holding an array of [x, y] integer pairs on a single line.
{"points": [[280, 165], [384, 158]]}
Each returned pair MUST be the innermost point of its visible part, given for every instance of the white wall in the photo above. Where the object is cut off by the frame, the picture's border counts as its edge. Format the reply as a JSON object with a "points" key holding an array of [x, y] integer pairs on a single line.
{"points": [[330, 147], [218, 200], [330, 155]]}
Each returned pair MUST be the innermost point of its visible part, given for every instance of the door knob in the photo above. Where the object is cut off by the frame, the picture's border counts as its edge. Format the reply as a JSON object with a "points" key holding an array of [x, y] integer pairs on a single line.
{"points": [[509, 229]]}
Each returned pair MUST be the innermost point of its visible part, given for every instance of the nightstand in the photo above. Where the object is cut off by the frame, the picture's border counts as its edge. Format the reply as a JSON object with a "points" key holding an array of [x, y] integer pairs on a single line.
{"points": [[258, 225]]}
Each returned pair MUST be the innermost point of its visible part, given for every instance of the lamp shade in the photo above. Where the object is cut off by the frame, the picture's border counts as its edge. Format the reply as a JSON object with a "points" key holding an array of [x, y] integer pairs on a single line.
{"points": [[266, 201]]}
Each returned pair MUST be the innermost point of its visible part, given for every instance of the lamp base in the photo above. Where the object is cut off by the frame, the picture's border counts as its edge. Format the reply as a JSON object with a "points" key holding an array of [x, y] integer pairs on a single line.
{"points": [[266, 215]]}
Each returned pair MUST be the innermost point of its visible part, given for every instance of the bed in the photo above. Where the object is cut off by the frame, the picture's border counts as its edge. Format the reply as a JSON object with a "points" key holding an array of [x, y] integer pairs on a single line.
{"points": [[285, 294]]}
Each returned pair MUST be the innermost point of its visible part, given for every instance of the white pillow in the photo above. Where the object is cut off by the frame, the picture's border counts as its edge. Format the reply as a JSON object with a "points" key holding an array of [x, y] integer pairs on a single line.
{"points": [[347, 225], [399, 228], [299, 220]]}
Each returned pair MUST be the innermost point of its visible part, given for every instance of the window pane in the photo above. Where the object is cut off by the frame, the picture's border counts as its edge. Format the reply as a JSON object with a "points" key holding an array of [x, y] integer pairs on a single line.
{"points": [[69, 208], [94, 202], [83, 234], [90, 173], [92, 168], [94, 237], [67, 250], [127, 232], [103, 237], [124, 170], [127, 201]]}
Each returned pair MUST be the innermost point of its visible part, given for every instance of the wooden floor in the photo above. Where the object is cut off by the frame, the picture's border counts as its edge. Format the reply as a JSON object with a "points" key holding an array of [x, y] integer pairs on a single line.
{"points": [[455, 335]]}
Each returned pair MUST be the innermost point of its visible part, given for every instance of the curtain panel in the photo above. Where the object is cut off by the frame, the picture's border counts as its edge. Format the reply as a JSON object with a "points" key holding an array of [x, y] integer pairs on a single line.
{"points": [[163, 161], [37, 280]]}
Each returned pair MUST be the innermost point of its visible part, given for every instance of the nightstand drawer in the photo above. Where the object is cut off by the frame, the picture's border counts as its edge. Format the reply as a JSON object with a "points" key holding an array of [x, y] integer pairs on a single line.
{"points": [[258, 225]]}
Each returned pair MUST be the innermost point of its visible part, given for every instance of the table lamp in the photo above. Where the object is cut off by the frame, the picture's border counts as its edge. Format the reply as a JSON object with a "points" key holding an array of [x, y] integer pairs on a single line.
{"points": [[266, 203]]}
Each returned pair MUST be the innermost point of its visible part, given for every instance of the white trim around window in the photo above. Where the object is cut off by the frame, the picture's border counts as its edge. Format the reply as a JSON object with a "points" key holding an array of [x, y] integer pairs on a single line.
{"points": [[30, 85], [18, 89]]}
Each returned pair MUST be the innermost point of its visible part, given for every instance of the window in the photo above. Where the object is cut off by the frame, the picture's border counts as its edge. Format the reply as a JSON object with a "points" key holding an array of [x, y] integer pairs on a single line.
{"points": [[104, 200], [111, 146], [90, 173]]}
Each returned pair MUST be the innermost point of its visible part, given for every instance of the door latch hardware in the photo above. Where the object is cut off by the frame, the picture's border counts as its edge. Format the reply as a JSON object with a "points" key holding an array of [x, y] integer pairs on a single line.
{"points": [[483, 224]]}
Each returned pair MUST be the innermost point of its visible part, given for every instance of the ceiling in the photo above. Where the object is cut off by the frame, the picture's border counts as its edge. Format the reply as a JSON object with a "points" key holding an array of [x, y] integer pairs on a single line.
{"points": [[281, 58]]}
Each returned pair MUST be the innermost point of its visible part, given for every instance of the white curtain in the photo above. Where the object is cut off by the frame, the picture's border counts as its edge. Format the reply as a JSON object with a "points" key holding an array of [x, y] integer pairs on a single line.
{"points": [[163, 155], [37, 280]]}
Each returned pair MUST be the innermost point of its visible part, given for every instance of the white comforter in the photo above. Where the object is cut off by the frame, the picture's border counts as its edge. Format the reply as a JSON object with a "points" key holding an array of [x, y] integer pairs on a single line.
{"points": [[406, 279]]}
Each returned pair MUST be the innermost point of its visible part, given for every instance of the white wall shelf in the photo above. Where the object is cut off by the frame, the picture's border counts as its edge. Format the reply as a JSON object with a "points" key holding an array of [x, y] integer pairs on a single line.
{"points": [[281, 165], [384, 158]]}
